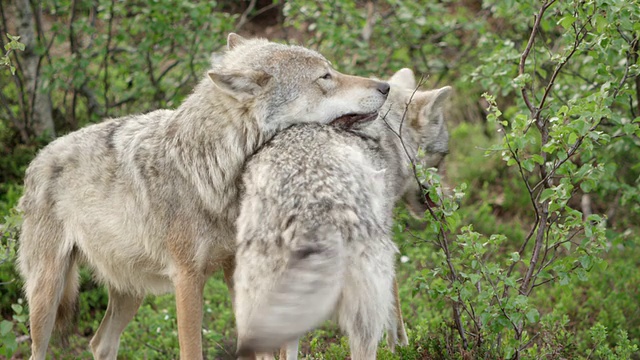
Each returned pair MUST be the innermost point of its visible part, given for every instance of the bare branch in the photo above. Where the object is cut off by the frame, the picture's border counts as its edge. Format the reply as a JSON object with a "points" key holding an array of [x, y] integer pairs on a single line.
{"points": [[73, 44], [125, 100], [580, 35], [245, 14], [106, 60], [265, 9], [92, 101], [527, 50], [442, 235], [166, 71]]}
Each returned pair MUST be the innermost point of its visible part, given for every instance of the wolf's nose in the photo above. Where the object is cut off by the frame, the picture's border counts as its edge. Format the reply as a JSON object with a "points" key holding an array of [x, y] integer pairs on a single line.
{"points": [[383, 87]]}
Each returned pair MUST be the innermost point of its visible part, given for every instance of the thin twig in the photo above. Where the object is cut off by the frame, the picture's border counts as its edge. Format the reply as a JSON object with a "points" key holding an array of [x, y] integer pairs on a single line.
{"points": [[166, 71], [527, 50], [73, 44], [245, 14], [442, 234], [265, 9], [106, 60], [40, 37]]}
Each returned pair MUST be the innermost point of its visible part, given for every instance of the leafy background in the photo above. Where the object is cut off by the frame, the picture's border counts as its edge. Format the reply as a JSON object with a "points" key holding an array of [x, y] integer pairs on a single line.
{"points": [[533, 252]]}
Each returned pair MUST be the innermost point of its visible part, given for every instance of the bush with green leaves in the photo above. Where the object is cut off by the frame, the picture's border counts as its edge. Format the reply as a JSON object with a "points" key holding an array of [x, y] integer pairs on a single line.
{"points": [[561, 90]]}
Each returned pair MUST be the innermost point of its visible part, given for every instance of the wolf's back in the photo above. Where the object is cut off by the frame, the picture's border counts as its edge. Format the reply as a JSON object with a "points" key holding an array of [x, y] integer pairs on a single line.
{"points": [[89, 156]]}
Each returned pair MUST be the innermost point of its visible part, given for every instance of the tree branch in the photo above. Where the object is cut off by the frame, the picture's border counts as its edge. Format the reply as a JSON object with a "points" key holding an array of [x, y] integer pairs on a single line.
{"points": [[106, 60], [245, 15], [441, 228], [527, 50]]}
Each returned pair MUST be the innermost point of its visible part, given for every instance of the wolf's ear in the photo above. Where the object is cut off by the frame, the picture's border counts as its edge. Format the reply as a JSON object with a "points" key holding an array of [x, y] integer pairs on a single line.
{"points": [[240, 84], [433, 109], [404, 78], [234, 40], [439, 97]]}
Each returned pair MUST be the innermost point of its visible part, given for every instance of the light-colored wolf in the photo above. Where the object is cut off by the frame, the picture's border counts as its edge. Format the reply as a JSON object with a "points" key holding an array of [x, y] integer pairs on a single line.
{"points": [[149, 202], [314, 225]]}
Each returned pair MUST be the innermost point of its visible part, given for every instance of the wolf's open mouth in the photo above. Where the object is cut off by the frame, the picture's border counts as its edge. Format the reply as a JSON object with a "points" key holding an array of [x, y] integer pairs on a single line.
{"points": [[349, 120]]}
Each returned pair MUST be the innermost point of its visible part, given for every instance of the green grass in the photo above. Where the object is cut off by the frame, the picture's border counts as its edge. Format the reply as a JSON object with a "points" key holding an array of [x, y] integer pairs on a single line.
{"points": [[153, 332], [608, 296]]}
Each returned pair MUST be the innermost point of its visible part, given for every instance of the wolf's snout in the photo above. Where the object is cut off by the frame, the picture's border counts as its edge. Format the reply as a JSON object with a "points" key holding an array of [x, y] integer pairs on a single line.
{"points": [[383, 88]]}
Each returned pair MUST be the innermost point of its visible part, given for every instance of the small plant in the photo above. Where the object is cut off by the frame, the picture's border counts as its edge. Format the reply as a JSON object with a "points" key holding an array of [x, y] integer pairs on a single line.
{"points": [[13, 45], [11, 330]]}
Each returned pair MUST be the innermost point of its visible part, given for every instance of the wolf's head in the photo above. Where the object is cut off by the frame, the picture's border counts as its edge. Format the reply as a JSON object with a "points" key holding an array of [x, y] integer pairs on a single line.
{"points": [[418, 118], [283, 85]]}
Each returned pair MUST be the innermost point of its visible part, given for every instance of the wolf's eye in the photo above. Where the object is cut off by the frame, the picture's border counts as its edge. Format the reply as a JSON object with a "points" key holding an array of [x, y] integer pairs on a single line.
{"points": [[326, 76]]}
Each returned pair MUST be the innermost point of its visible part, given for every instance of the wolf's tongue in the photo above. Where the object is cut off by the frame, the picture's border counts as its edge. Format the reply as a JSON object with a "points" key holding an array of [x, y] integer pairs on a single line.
{"points": [[349, 120]]}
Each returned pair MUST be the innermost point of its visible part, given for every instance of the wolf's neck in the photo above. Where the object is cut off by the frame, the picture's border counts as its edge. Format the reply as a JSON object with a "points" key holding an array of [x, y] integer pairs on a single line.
{"points": [[211, 138]]}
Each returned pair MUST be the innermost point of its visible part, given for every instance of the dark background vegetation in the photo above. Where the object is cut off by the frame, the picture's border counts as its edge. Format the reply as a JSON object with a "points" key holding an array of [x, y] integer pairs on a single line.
{"points": [[534, 250]]}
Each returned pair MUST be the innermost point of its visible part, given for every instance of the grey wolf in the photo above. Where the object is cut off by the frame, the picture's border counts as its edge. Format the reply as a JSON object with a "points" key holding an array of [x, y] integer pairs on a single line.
{"points": [[314, 225], [149, 202]]}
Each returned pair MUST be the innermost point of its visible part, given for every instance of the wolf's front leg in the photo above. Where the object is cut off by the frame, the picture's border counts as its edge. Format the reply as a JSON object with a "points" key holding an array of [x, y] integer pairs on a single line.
{"points": [[189, 289]]}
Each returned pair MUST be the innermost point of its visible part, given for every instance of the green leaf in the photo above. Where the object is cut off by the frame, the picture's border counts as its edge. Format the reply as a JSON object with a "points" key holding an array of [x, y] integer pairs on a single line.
{"points": [[567, 21], [594, 218], [475, 278], [17, 308], [5, 327], [588, 232], [509, 351], [521, 80], [586, 261], [528, 165], [510, 281], [601, 23], [587, 185], [537, 159], [630, 129], [20, 318], [546, 194], [533, 316]]}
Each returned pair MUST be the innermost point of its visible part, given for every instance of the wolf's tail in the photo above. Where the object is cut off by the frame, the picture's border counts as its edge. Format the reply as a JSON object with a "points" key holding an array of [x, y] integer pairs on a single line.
{"points": [[305, 295], [50, 272]]}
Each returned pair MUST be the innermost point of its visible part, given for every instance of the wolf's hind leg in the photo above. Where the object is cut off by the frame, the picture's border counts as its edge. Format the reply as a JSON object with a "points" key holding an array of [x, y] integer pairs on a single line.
{"points": [[120, 311], [367, 304], [396, 333], [289, 351]]}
